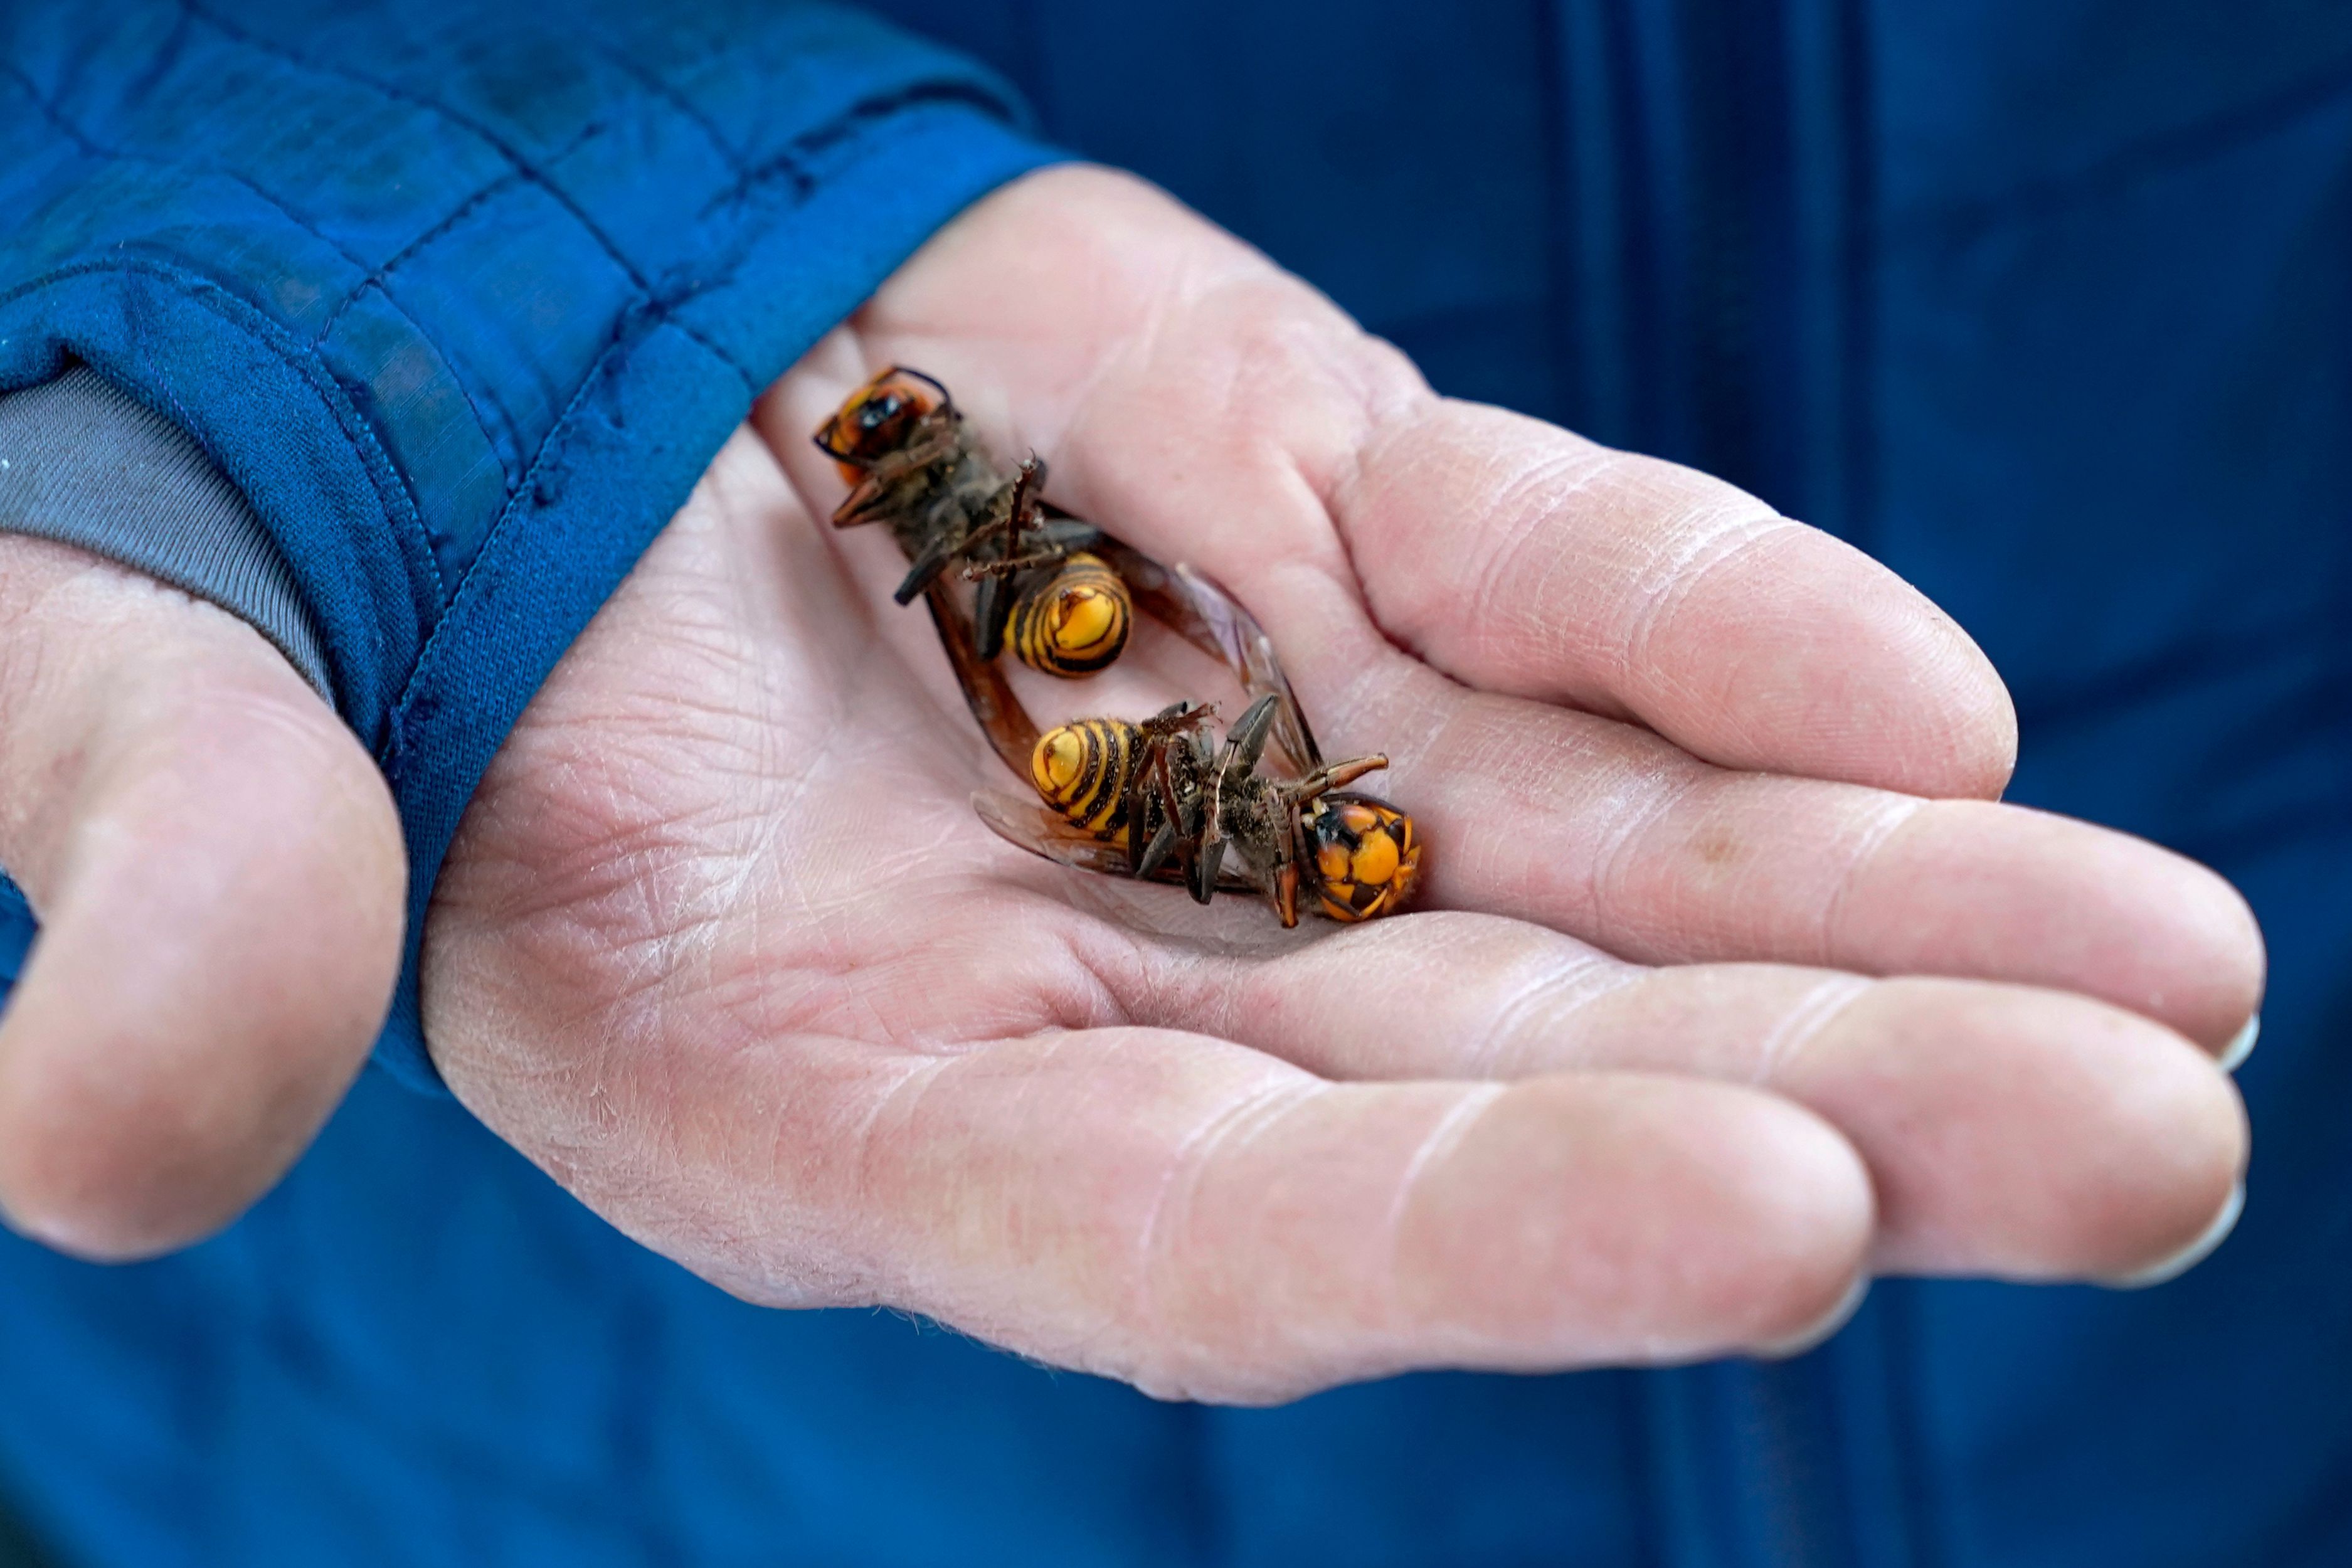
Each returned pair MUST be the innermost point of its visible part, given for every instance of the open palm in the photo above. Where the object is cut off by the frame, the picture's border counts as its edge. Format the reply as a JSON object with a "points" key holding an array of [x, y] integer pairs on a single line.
{"points": [[722, 945]]}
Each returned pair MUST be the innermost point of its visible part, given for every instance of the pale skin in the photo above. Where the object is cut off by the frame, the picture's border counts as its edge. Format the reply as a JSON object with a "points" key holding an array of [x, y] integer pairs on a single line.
{"points": [[1729, 985]]}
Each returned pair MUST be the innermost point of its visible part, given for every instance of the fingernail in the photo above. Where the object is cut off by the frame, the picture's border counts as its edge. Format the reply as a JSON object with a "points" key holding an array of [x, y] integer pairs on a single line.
{"points": [[2191, 1256], [2234, 1054], [1818, 1333]]}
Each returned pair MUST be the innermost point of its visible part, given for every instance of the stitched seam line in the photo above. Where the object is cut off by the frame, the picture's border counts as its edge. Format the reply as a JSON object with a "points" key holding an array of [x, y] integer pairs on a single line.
{"points": [[854, 119], [791, 163], [654, 86], [93, 149], [377, 275], [377, 279], [383, 474], [549, 451], [2160, 154], [458, 215], [515, 159]]}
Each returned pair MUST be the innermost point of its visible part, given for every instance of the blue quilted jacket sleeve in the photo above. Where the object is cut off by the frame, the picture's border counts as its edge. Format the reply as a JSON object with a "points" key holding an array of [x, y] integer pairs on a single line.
{"points": [[463, 297]]}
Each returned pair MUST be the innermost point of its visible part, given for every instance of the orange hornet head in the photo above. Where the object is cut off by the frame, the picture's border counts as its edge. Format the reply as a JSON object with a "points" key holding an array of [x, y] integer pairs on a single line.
{"points": [[1367, 855], [879, 417]]}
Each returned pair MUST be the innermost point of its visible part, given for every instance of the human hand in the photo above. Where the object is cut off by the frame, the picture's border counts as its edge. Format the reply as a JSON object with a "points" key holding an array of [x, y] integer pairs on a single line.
{"points": [[723, 946]]}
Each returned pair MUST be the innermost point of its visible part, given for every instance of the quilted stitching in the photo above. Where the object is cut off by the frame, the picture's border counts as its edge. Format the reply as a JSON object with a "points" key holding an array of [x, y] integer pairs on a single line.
{"points": [[404, 515], [523, 167], [655, 313], [530, 302], [458, 215], [399, 506]]}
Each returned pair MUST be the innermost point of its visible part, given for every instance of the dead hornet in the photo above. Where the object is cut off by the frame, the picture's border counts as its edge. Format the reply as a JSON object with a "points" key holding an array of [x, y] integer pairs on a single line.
{"points": [[1162, 800], [901, 444], [1162, 795]]}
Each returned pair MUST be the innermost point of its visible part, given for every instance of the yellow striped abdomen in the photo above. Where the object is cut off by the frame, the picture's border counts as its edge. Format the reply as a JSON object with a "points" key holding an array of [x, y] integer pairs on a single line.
{"points": [[1074, 621], [1081, 769]]}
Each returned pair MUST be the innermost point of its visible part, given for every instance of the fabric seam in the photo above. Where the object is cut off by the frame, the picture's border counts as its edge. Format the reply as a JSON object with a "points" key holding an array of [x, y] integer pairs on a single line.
{"points": [[96, 151], [383, 475], [92, 149], [662, 313], [522, 166], [790, 161], [376, 276], [653, 85]]}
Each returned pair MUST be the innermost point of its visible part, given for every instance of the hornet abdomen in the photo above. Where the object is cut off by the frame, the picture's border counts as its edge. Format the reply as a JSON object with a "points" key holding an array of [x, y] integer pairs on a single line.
{"points": [[1082, 771], [1072, 621]]}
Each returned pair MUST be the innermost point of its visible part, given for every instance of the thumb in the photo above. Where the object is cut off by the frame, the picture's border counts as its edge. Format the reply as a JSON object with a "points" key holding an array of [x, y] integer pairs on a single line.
{"points": [[218, 872]]}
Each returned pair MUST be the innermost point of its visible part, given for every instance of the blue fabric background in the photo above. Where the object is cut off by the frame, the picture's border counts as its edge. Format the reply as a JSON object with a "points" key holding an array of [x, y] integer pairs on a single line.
{"points": [[2041, 300]]}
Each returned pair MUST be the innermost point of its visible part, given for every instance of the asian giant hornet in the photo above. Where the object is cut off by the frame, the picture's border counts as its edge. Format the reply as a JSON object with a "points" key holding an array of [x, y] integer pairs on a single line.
{"points": [[902, 444], [1165, 796], [1160, 800]]}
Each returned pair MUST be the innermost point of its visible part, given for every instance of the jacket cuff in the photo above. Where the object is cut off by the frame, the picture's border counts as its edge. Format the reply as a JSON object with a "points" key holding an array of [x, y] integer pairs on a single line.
{"points": [[468, 342]]}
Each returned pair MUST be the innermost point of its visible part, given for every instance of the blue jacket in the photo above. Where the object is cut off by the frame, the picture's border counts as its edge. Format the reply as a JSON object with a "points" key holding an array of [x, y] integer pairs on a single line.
{"points": [[2043, 301]]}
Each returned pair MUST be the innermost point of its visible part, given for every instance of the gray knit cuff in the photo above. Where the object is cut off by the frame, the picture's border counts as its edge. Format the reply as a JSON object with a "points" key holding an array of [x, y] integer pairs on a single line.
{"points": [[84, 463]]}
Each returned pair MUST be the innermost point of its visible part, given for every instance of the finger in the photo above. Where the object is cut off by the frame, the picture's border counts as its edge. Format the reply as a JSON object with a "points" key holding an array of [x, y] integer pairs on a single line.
{"points": [[2008, 1131], [1518, 558], [218, 874], [1207, 1223], [1602, 831]]}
